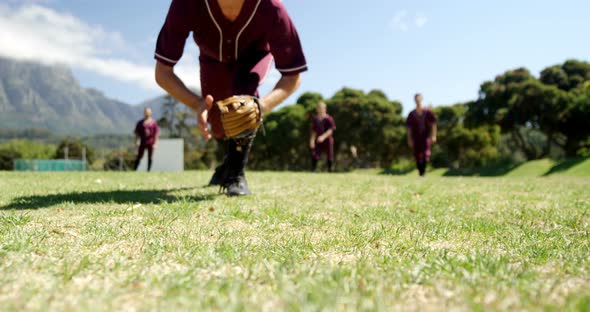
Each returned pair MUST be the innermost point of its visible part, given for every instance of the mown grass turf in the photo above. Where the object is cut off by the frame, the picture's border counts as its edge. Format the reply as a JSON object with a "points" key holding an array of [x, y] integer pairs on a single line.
{"points": [[360, 241]]}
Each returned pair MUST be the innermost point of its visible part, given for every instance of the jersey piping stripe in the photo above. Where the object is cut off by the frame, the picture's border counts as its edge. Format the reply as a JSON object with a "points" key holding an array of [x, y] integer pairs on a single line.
{"points": [[165, 58], [220, 32], [292, 69], [246, 25]]}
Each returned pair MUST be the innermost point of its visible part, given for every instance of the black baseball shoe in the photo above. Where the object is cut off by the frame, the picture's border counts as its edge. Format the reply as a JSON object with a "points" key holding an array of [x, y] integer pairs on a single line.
{"points": [[238, 186], [218, 176]]}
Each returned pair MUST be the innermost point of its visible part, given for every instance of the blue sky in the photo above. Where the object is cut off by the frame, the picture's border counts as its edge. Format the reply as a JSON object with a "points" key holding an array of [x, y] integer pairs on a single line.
{"points": [[444, 49]]}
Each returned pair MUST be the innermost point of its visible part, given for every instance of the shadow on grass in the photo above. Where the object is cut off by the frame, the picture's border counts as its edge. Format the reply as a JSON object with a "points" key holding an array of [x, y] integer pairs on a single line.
{"points": [[487, 171], [117, 197], [396, 171], [564, 166]]}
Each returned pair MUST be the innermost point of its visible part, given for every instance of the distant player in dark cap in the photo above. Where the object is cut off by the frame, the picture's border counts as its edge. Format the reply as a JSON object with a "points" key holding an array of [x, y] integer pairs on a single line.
{"points": [[421, 126], [322, 136], [147, 133]]}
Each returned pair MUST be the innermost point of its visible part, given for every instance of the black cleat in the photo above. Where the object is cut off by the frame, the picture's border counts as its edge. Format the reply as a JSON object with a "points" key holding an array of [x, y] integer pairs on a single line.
{"points": [[218, 176], [238, 187]]}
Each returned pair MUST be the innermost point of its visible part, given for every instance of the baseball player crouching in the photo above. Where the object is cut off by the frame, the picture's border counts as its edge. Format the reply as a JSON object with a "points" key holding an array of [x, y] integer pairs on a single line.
{"points": [[238, 40]]}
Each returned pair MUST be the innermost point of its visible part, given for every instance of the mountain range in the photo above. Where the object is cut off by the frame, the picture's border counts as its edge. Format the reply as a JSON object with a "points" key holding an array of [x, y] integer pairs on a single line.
{"points": [[34, 95]]}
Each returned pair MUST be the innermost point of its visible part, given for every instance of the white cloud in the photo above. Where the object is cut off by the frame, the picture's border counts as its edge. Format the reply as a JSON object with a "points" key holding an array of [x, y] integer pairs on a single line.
{"points": [[403, 22], [399, 21], [420, 20], [37, 33]]}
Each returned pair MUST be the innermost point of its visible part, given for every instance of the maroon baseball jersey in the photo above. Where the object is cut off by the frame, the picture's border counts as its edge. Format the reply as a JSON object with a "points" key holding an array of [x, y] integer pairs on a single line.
{"points": [[234, 56], [147, 132], [420, 126], [322, 125]]}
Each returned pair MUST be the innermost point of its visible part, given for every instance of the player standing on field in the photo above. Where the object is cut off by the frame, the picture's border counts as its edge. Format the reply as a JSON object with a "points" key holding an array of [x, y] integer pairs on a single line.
{"points": [[147, 134], [421, 125], [322, 136], [238, 40]]}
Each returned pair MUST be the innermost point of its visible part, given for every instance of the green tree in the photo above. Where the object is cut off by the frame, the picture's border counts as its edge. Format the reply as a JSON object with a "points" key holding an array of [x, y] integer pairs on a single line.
{"points": [[513, 101], [578, 72], [575, 124], [7, 158], [75, 150], [555, 76], [113, 161], [285, 146], [371, 123], [176, 119], [462, 147], [30, 149]]}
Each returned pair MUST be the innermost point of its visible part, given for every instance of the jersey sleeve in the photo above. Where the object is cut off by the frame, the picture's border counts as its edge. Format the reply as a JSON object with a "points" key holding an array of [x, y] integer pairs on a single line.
{"points": [[431, 118], [409, 121], [285, 45], [172, 37], [332, 123], [314, 126]]}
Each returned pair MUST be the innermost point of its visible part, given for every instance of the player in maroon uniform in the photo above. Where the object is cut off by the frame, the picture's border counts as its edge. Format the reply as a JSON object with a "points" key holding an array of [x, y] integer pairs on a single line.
{"points": [[238, 40], [147, 134], [322, 136], [421, 124]]}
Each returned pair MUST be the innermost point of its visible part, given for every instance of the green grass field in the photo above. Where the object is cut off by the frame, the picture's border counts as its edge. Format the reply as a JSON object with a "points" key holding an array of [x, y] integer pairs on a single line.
{"points": [[358, 241]]}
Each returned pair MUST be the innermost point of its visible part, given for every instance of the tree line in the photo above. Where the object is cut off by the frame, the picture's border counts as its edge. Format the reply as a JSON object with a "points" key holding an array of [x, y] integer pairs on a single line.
{"points": [[516, 117]]}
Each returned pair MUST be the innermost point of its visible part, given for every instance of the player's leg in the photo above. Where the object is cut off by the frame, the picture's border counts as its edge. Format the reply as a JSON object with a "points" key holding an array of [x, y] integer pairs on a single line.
{"points": [[315, 157], [216, 81], [140, 152], [422, 167], [150, 150], [251, 74], [221, 170], [330, 154], [427, 153], [420, 155], [245, 80], [237, 159]]}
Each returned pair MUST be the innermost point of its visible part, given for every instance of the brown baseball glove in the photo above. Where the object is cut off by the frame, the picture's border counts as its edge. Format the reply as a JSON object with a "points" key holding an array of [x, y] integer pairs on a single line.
{"points": [[241, 116]]}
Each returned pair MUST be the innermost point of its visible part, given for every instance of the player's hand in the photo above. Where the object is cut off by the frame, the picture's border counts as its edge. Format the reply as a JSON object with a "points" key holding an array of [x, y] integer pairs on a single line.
{"points": [[321, 139], [155, 146], [312, 144], [202, 114], [411, 144], [433, 140]]}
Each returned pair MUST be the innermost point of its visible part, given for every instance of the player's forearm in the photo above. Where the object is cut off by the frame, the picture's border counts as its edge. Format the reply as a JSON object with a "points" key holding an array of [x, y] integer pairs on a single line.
{"points": [[327, 134], [169, 81], [409, 136], [284, 88], [434, 130], [313, 138]]}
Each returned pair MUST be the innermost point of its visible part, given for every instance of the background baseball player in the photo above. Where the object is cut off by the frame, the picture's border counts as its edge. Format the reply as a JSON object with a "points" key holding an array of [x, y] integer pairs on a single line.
{"points": [[421, 125], [238, 40], [322, 136], [147, 134]]}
